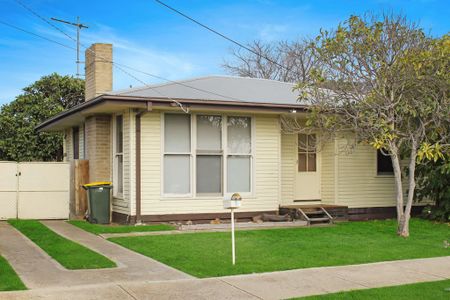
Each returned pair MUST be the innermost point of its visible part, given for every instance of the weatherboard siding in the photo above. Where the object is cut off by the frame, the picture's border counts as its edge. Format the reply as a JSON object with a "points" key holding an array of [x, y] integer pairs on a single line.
{"points": [[328, 172], [266, 164], [288, 167], [358, 182]]}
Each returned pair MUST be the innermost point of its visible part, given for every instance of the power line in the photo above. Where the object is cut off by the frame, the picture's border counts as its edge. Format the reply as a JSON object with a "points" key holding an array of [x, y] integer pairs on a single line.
{"points": [[122, 66], [186, 110], [35, 34], [220, 34]]}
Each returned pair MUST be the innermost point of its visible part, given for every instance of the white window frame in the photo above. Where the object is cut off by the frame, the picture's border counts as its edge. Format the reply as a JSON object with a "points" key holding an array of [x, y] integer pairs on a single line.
{"points": [[221, 154], [307, 152], [251, 154], [193, 157], [116, 154], [164, 153]]}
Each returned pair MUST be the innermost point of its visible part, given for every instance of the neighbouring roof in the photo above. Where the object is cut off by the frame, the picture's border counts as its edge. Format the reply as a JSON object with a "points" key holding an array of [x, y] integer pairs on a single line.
{"points": [[220, 88]]}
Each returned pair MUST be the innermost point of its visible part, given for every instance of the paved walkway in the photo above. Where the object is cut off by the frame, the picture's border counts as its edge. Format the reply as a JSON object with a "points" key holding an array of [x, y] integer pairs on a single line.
{"points": [[38, 270], [139, 277]]}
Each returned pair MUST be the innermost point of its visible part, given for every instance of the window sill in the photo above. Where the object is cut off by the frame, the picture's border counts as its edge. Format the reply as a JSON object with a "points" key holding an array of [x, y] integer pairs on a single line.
{"points": [[118, 197], [384, 175], [200, 198]]}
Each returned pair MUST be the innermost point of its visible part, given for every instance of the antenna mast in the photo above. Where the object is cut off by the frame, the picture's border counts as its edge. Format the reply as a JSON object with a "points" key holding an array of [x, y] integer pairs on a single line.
{"points": [[79, 26]]}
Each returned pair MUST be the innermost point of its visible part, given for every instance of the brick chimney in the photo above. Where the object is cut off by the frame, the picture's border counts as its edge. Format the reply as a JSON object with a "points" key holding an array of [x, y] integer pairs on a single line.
{"points": [[98, 70]]}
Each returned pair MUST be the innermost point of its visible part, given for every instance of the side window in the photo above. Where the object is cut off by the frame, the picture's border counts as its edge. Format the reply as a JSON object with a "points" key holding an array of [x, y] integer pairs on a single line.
{"points": [[76, 142], [307, 155], [384, 164], [118, 156]]}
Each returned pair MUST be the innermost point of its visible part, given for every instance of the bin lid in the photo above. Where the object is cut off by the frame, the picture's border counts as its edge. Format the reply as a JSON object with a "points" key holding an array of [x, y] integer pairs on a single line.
{"points": [[97, 183]]}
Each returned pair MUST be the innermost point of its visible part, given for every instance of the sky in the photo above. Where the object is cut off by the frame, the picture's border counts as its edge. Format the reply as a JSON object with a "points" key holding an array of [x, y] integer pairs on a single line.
{"points": [[149, 37]]}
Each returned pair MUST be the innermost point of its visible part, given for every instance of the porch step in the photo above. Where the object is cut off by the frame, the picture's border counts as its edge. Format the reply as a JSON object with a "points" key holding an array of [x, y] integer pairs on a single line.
{"points": [[318, 219], [317, 215]]}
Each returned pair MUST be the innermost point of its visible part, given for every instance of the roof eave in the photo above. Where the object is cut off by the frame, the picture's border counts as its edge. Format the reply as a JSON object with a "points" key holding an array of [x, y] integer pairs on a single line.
{"points": [[168, 102]]}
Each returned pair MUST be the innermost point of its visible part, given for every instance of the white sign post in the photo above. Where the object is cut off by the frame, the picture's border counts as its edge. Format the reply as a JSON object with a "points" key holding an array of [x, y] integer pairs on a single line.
{"points": [[232, 204]]}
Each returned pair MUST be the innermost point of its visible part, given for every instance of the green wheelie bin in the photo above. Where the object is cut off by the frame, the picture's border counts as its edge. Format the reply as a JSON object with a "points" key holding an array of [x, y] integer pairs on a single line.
{"points": [[99, 202]]}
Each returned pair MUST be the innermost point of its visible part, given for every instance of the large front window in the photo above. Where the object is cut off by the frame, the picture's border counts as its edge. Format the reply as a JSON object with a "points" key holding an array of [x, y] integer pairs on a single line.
{"points": [[215, 159], [177, 154]]}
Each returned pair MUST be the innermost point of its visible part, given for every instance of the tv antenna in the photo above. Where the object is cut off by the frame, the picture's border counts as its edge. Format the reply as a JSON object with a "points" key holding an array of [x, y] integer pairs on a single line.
{"points": [[79, 26]]}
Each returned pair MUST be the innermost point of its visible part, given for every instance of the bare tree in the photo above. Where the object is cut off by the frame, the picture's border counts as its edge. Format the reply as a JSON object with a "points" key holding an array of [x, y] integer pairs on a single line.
{"points": [[283, 61], [389, 88]]}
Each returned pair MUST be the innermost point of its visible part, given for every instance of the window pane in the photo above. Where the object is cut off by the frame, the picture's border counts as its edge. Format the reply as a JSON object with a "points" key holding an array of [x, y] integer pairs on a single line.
{"points": [[384, 164], [120, 174], [176, 174], [302, 162], [119, 134], [76, 142], [209, 132], [239, 177], [302, 142], [311, 162], [239, 135], [209, 174], [312, 143], [177, 133]]}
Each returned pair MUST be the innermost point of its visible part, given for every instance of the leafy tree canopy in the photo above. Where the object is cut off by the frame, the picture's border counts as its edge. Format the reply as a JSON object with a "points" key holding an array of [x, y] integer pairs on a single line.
{"points": [[39, 101], [390, 88]]}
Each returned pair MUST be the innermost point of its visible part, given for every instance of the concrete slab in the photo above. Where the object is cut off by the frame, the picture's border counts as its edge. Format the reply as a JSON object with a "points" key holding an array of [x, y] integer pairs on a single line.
{"points": [[187, 289], [105, 291], [315, 281], [38, 270], [195, 228], [139, 277]]}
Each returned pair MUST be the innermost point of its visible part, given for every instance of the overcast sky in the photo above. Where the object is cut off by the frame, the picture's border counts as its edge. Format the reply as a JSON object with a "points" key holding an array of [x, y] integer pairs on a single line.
{"points": [[149, 37]]}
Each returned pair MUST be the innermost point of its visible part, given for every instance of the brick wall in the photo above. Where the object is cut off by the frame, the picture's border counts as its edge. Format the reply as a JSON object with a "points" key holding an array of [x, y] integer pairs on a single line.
{"points": [[98, 140], [98, 70]]}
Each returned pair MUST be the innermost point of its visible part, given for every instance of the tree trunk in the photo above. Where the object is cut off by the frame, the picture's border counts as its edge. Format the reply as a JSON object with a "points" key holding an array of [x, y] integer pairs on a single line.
{"points": [[398, 183], [403, 227]]}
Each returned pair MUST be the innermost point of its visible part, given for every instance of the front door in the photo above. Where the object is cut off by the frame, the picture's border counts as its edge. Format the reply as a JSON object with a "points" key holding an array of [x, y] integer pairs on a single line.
{"points": [[307, 185]]}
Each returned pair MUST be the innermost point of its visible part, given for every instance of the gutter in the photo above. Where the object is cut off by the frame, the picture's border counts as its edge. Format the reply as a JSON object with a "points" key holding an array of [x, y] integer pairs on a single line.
{"points": [[199, 103]]}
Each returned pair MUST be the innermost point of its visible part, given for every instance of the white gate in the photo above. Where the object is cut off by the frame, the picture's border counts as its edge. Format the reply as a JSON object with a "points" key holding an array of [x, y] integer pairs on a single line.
{"points": [[34, 190]]}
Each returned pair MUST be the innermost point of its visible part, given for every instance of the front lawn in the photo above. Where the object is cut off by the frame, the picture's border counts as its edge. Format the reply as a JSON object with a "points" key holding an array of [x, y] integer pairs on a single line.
{"points": [[209, 254], [68, 253], [9, 281], [99, 229], [435, 290]]}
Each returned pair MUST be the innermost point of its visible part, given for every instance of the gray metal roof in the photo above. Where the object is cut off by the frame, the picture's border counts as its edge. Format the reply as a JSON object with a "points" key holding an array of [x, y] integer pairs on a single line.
{"points": [[219, 88]]}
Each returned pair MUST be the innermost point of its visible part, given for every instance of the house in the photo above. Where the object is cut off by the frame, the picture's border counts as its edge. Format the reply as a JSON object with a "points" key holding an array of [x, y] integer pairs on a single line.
{"points": [[173, 151]]}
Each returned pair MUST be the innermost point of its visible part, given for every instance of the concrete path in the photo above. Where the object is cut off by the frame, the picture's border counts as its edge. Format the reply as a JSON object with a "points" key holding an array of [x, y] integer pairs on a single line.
{"points": [[139, 277], [224, 227], [275, 285], [38, 270]]}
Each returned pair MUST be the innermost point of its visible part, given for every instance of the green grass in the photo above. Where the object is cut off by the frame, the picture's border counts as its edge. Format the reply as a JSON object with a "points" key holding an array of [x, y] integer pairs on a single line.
{"points": [[68, 253], [209, 254], [9, 281], [435, 290], [99, 229]]}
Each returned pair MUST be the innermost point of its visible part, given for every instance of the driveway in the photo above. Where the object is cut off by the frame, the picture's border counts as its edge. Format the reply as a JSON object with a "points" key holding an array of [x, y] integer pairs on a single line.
{"points": [[38, 270], [139, 277]]}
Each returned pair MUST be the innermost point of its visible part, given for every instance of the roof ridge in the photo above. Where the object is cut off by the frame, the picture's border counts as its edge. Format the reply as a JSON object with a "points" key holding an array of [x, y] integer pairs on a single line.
{"points": [[184, 81]]}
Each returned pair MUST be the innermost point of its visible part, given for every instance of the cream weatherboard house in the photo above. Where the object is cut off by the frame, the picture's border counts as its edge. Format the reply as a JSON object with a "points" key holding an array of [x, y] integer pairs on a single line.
{"points": [[168, 162]]}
